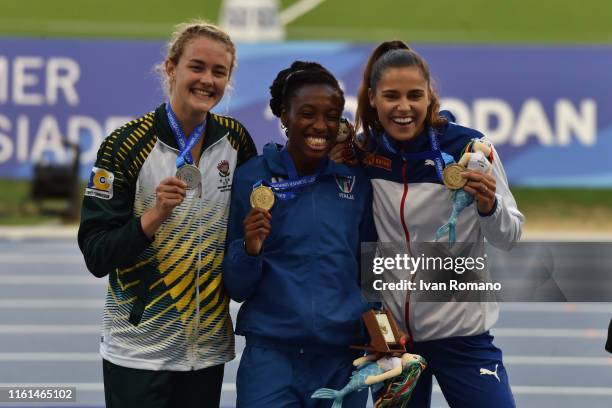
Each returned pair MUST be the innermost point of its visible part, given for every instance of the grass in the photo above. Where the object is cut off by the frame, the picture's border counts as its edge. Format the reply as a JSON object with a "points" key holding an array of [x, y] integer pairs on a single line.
{"points": [[151, 19], [16, 207], [563, 209], [465, 21], [435, 21], [551, 209]]}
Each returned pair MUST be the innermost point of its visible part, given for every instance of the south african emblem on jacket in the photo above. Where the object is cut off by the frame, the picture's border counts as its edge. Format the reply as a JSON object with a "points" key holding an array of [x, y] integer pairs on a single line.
{"points": [[225, 181]]}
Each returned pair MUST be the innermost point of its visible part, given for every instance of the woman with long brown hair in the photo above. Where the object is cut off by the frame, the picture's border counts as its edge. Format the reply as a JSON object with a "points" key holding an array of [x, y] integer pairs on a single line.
{"points": [[405, 147]]}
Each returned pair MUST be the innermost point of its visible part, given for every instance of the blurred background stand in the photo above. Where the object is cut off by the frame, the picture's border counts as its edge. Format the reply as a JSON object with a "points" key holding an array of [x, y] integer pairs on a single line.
{"points": [[252, 20], [55, 186]]}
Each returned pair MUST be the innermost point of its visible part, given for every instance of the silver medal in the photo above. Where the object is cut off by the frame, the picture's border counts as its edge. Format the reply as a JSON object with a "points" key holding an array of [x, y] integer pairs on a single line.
{"points": [[190, 174]]}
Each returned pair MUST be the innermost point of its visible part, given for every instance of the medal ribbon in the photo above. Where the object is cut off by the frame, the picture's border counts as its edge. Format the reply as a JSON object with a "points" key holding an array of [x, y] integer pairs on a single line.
{"points": [[440, 158], [287, 189], [185, 145]]}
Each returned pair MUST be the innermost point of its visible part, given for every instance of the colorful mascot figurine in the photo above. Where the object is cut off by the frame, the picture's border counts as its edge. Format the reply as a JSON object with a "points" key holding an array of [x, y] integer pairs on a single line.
{"points": [[400, 374], [344, 130], [478, 156], [398, 390]]}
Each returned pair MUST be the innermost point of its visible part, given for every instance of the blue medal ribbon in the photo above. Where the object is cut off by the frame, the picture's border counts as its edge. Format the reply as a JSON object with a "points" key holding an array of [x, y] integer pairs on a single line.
{"points": [[185, 145], [288, 189], [440, 158]]}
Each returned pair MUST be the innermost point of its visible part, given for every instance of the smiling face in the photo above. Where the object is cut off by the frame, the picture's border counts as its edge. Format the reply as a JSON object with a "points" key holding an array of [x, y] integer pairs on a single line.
{"points": [[401, 99], [312, 120], [199, 78]]}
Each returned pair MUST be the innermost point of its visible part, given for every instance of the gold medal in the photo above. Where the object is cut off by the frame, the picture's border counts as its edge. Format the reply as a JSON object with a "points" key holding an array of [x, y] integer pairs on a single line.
{"points": [[452, 177], [262, 197]]}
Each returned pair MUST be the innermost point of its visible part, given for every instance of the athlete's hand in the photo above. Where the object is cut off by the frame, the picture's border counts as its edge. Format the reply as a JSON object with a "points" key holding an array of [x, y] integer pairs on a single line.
{"points": [[169, 194], [482, 187], [256, 230], [337, 152], [343, 152]]}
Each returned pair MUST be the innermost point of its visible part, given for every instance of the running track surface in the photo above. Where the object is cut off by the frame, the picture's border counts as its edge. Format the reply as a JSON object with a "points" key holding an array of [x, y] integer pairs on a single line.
{"points": [[51, 309]]}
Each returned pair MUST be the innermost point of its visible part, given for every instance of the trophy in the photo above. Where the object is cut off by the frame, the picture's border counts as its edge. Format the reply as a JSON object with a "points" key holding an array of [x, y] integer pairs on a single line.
{"points": [[384, 334]]}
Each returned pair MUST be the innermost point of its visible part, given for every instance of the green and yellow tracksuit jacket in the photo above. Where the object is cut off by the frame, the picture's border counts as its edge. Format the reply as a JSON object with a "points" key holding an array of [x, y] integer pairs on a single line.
{"points": [[165, 306]]}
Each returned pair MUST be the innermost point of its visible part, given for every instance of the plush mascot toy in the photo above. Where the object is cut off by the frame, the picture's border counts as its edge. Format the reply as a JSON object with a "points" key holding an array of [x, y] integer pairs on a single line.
{"points": [[397, 377]]}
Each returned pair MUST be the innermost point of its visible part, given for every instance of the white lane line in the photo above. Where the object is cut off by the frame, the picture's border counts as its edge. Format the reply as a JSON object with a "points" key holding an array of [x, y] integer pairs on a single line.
{"points": [[508, 360], [532, 307], [18, 233], [558, 360], [51, 303], [553, 390], [41, 259], [48, 329], [297, 10], [556, 333], [89, 386], [228, 387], [512, 360], [505, 332], [51, 280], [231, 387], [558, 307], [46, 357], [562, 390], [566, 236], [83, 386]]}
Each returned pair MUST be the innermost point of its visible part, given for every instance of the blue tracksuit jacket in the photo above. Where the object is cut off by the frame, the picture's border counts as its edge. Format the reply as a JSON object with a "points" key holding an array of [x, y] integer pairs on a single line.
{"points": [[410, 203], [304, 286]]}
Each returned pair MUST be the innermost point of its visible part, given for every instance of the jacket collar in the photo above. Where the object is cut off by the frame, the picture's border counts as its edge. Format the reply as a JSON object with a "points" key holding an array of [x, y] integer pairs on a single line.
{"points": [[274, 161], [213, 132], [419, 143]]}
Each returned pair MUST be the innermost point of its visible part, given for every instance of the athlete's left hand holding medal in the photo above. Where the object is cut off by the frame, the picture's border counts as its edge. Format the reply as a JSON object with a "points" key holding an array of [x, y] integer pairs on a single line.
{"points": [[257, 222], [257, 225], [169, 194]]}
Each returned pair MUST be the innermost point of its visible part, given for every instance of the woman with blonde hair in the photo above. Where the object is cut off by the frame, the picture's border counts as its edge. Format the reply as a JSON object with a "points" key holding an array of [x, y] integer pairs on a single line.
{"points": [[154, 220]]}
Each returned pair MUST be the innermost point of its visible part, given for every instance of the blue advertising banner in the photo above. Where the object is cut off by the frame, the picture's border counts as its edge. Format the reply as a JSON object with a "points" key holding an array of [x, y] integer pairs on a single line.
{"points": [[547, 109]]}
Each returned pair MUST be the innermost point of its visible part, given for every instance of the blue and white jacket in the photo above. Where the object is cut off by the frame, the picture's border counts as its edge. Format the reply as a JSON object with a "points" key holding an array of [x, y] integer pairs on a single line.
{"points": [[411, 203], [303, 289]]}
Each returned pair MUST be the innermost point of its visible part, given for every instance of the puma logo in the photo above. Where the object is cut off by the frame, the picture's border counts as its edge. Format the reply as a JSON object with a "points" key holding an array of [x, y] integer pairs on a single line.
{"points": [[484, 371], [429, 162]]}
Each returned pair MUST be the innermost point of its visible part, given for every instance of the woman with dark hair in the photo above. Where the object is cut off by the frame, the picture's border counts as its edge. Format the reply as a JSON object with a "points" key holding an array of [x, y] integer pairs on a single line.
{"points": [[406, 148], [296, 222]]}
